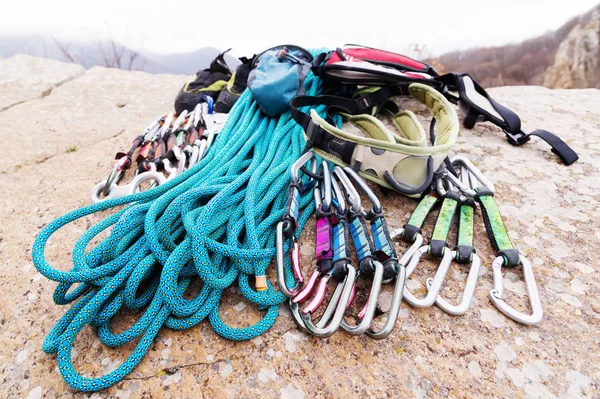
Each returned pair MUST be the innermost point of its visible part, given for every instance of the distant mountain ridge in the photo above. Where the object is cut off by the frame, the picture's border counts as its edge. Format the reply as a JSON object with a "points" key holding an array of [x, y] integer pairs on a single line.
{"points": [[108, 53], [566, 58]]}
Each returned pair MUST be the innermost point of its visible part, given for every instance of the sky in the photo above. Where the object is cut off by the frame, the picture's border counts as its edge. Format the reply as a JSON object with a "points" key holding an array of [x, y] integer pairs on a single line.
{"points": [[252, 26]]}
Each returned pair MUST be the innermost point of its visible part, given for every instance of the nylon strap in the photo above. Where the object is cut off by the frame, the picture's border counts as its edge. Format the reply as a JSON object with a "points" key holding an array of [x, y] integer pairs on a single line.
{"points": [[362, 242], [413, 227], [438, 241], [465, 226], [509, 121], [384, 248], [495, 228], [464, 246]]}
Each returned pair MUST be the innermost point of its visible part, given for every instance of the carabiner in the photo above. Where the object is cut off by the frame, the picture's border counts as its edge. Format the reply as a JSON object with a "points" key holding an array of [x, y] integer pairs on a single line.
{"points": [[437, 247], [392, 316], [468, 293], [368, 312], [279, 244], [367, 190], [352, 196], [400, 278], [196, 152], [117, 191], [323, 251], [464, 253], [320, 329], [287, 228], [537, 314], [476, 178], [303, 160], [331, 254], [438, 279]]}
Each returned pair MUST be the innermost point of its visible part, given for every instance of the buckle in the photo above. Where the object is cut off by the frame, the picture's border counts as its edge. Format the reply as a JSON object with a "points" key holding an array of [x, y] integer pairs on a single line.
{"points": [[517, 139], [311, 131]]}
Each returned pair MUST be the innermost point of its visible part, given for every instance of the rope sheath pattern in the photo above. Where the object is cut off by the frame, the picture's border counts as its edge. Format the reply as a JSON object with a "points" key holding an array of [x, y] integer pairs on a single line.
{"points": [[215, 222]]}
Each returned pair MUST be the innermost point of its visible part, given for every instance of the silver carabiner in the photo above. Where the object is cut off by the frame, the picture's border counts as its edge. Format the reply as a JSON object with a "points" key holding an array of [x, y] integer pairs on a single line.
{"points": [[279, 244], [534, 298], [468, 293], [476, 178], [437, 282], [365, 187], [322, 190], [368, 312], [392, 316], [304, 158], [352, 196], [116, 191], [320, 329], [197, 152]]}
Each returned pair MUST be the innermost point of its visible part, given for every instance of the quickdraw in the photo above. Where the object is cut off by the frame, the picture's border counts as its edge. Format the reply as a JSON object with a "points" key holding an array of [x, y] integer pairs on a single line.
{"points": [[509, 257], [437, 248], [168, 144], [340, 268], [464, 253]]}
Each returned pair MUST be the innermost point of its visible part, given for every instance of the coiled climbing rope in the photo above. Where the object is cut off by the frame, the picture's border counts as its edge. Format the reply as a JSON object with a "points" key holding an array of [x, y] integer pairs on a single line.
{"points": [[215, 222]]}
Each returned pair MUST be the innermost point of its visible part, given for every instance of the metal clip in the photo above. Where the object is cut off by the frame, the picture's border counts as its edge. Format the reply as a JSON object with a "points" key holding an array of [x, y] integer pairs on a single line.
{"points": [[279, 244], [320, 329], [368, 312], [116, 191], [534, 298], [438, 279], [468, 293]]}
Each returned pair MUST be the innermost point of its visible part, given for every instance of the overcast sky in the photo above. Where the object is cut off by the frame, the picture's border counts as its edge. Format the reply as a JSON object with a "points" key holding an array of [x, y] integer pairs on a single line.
{"points": [[253, 25]]}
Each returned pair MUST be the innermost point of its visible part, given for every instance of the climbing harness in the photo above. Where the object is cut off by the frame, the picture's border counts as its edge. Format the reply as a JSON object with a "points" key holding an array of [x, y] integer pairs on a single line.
{"points": [[359, 65], [401, 160], [212, 223]]}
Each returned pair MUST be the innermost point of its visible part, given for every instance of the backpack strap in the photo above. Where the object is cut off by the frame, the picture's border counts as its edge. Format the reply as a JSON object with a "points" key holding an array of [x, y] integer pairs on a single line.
{"points": [[480, 105]]}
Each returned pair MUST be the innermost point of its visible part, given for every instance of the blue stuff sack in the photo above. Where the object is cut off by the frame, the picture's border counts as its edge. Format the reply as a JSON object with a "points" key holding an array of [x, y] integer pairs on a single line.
{"points": [[278, 76]]}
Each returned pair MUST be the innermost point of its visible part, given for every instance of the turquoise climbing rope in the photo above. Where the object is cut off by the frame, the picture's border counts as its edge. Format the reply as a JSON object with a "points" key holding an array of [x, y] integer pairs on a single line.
{"points": [[215, 222]]}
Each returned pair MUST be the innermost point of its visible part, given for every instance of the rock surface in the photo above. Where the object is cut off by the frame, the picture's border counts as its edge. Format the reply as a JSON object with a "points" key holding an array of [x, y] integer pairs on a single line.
{"points": [[577, 59], [64, 144]]}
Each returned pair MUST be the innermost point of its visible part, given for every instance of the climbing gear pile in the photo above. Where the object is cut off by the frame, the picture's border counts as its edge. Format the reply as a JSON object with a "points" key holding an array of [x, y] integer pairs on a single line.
{"points": [[212, 223], [340, 218], [219, 217]]}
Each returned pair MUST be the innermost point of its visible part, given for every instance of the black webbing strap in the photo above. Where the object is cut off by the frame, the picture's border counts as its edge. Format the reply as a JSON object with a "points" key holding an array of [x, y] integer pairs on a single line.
{"points": [[319, 137], [510, 122]]}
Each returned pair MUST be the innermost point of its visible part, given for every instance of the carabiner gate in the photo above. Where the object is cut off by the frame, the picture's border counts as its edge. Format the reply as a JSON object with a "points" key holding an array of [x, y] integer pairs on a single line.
{"points": [[537, 314]]}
